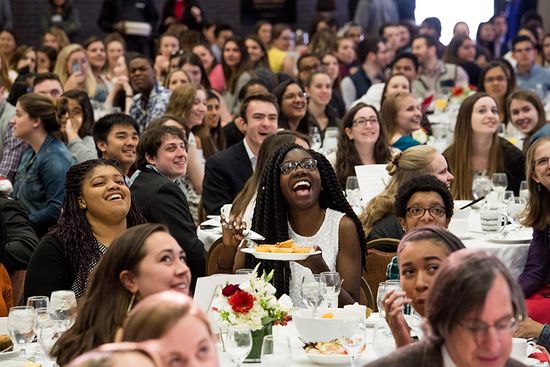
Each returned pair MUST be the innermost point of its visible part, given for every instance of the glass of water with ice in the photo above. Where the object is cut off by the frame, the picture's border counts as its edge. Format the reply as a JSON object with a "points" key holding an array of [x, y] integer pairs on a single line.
{"points": [[63, 308]]}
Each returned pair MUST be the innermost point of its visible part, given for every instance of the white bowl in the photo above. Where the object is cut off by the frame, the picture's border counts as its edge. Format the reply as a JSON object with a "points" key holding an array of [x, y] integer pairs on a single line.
{"points": [[344, 323]]}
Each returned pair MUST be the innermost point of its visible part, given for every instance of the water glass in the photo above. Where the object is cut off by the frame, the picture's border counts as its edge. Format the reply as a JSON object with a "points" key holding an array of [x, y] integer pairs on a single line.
{"points": [[481, 186], [21, 327], [499, 182], [384, 288], [276, 351], [331, 285], [353, 193], [38, 302], [315, 136], [63, 308], [508, 197], [355, 343], [516, 206], [524, 190], [312, 293], [238, 344]]}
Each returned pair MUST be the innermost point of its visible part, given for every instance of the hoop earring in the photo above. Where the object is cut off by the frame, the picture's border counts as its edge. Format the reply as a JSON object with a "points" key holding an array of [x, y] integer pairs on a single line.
{"points": [[131, 304]]}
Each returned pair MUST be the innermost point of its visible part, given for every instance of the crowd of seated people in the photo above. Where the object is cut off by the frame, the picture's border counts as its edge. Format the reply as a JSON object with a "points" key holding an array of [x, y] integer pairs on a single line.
{"points": [[113, 151]]}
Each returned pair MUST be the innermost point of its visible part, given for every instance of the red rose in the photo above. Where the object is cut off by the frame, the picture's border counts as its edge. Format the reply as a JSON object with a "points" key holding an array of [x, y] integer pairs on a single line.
{"points": [[229, 289], [241, 302], [457, 91]]}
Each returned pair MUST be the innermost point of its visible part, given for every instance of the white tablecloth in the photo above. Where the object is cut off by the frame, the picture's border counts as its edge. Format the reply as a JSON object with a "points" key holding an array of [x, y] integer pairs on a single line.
{"points": [[513, 255]]}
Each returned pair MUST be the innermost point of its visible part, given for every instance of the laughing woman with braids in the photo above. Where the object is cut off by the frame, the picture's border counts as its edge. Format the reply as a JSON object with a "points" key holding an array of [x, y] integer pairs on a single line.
{"points": [[300, 198], [97, 207]]}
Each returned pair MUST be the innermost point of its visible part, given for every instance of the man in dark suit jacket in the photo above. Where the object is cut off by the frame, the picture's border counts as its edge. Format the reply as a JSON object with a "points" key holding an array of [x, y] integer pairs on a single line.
{"points": [[473, 308], [226, 172], [162, 159]]}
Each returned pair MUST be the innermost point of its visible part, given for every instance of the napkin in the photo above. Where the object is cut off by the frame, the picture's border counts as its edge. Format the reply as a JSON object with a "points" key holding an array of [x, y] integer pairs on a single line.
{"points": [[540, 356]]}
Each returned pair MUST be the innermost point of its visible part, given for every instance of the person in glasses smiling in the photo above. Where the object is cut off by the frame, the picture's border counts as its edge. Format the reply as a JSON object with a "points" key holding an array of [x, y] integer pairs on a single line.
{"points": [[472, 309], [299, 198]]}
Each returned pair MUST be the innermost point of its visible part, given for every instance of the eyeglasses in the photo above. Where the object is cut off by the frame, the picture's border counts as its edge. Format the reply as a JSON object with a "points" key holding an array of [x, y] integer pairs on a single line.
{"points": [[418, 212], [177, 53], [541, 162], [292, 96], [491, 79], [479, 329], [308, 68], [308, 164], [361, 122]]}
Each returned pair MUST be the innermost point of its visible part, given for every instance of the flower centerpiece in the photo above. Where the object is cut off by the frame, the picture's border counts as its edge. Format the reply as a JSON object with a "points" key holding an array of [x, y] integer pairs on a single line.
{"points": [[253, 305]]}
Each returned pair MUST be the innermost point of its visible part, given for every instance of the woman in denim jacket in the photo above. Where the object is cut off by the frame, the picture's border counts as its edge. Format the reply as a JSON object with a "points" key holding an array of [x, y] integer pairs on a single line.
{"points": [[39, 183]]}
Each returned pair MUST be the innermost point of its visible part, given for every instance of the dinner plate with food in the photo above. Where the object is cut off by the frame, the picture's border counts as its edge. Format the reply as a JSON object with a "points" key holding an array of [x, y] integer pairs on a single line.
{"points": [[330, 353], [283, 251]]}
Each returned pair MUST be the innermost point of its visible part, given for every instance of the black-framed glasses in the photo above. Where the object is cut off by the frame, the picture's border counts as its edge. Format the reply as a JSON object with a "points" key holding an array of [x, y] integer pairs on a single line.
{"points": [[361, 122], [307, 163], [541, 162], [292, 96], [418, 212], [479, 329]]}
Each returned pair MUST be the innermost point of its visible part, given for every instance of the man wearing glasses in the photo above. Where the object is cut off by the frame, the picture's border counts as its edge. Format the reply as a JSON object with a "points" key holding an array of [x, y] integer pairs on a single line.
{"points": [[472, 311], [529, 75]]}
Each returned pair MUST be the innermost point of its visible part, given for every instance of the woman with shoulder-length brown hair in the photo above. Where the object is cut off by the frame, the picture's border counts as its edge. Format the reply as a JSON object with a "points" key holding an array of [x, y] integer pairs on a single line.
{"points": [[477, 148], [362, 140], [535, 279], [528, 116]]}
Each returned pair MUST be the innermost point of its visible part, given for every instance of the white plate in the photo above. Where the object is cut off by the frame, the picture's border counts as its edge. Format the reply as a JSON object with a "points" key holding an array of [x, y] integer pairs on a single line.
{"points": [[278, 256], [218, 231], [521, 236], [329, 359], [531, 362]]}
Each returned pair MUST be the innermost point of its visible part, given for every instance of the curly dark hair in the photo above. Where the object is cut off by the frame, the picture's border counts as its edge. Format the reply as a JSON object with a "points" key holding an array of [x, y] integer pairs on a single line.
{"points": [[73, 228], [346, 154], [271, 211], [423, 183]]}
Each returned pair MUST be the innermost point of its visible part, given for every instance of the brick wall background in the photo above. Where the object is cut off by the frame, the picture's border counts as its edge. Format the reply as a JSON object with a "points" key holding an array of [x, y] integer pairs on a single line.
{"points": [[27, 15]]}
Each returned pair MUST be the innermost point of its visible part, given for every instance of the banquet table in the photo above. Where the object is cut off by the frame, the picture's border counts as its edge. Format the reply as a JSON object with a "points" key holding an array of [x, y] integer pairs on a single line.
{"points": [[511, 251]]}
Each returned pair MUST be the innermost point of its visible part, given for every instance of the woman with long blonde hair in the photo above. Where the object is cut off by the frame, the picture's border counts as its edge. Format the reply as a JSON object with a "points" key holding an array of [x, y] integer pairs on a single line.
{"points": [[379, 218], [74, 70], [477, 148]]}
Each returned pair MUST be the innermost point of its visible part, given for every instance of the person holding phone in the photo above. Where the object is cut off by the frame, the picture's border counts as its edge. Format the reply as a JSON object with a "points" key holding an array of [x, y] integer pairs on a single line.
{"points": [[74, 70]]}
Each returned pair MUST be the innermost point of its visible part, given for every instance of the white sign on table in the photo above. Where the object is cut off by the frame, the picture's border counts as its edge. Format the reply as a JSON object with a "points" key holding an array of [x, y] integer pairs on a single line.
{"points": [[372, 179]]}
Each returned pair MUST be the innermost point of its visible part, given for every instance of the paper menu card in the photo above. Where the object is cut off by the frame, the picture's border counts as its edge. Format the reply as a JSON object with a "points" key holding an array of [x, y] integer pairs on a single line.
{"points": [[372, 179]]}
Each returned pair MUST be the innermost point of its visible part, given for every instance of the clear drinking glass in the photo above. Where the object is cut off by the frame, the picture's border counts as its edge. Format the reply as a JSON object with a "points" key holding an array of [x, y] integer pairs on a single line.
{"points": [[331, 284], [63, 308], [353, 193], [384, 288], [481, 186], [516, 207], [38, 302], [524, 190], [315, 136], [238, 343], [499, 182], [312, 293], [21, 327], [276, 351], [355, 343]]}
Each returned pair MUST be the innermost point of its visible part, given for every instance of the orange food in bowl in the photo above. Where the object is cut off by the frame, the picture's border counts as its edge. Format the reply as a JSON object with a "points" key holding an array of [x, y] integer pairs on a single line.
{"points": [[328, 315]]}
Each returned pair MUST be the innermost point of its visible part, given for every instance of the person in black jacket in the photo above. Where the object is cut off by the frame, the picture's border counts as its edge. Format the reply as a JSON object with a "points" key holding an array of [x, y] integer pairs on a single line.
{"points": [[18, 238], [162, 159], [115, 15]]}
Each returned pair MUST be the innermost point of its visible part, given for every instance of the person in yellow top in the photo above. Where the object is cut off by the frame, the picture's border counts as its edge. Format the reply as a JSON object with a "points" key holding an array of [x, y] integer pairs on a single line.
{"points": [[279, 59], [6, 292]]}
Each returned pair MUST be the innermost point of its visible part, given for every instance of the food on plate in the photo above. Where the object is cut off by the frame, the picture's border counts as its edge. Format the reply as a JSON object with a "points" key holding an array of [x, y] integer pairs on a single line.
{"points": [[5, 341], [286, 247], [328, 315], [332, 347]]}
